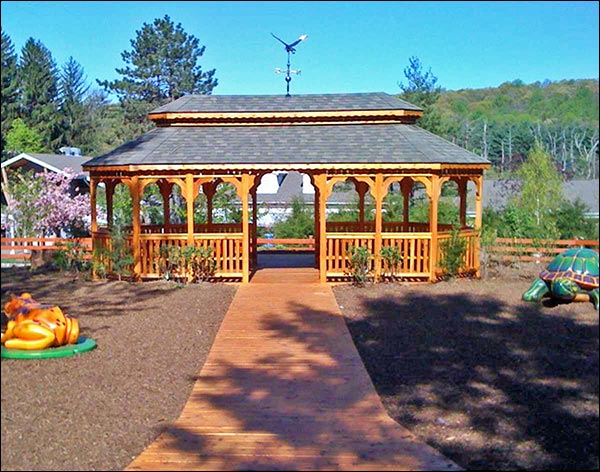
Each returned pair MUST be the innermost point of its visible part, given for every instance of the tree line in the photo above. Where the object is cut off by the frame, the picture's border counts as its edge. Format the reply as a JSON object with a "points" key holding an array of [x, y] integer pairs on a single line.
{"points": [[504, 124], [45, 107]]}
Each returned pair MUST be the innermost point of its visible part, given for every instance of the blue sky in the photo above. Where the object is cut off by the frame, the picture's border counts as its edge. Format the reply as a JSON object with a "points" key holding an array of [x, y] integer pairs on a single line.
{"points": [[351, 46]]}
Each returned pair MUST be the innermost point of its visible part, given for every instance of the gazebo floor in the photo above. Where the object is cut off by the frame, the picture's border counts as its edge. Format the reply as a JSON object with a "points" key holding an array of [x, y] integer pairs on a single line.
{"points": [[283, 388]]}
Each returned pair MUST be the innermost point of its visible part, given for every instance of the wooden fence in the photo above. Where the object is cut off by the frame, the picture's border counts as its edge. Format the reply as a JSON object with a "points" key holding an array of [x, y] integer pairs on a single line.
{"points": [[20, 249], [288, 244], [514, 249]]}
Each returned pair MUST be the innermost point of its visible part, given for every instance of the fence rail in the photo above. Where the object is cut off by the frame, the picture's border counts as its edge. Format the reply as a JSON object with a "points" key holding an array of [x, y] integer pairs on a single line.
{"points": [[522, 249], [289, 244], [22, 248]]}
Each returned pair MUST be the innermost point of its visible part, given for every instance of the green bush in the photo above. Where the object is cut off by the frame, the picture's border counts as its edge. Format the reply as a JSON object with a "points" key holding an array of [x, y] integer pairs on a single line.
{"points": [[187, 263], [359, 264], [452, 253], [391, 259], [70, 256]]}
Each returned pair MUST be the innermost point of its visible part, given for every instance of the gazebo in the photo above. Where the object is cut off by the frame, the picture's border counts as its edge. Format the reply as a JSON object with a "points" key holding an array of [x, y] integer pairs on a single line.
{"points": [[368, 139]]}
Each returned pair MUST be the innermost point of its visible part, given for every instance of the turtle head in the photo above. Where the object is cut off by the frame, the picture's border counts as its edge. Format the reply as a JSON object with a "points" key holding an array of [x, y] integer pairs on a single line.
{"points": [[565, 289]]}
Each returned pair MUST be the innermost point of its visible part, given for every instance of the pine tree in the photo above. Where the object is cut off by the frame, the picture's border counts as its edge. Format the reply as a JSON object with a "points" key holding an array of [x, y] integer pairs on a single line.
{"points": [[421, 90], [10, 93], [38, 78], [73, 90], [162, 66]]}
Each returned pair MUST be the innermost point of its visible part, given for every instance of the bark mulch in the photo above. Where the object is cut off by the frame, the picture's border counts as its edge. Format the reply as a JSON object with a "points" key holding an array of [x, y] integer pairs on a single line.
{"points": [[98, 410], [490, 381]]}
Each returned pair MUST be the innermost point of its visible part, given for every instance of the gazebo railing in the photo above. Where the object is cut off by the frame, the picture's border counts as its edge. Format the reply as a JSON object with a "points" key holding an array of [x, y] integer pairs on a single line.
{"points": [[415, 248], [226, 251], [198, 228], [388, 227], [469, 258]]}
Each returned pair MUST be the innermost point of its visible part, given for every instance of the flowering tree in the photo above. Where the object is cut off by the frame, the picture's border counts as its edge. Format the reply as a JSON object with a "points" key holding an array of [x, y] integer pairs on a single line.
{"points": [[58, 209], [44, 204]]}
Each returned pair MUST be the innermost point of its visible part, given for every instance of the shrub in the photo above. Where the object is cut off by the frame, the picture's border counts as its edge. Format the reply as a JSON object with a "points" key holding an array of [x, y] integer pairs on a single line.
{"points": [[452, 253], [392, 259], [359, 264]]}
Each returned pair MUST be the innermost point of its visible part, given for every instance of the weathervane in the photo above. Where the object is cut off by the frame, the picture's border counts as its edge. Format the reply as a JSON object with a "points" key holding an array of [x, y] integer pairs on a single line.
{"points": [[289, 48]]}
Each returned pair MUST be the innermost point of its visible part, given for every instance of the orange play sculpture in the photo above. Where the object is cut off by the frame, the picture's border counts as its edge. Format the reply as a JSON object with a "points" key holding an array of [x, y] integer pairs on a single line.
{"points": [[32, 325]]}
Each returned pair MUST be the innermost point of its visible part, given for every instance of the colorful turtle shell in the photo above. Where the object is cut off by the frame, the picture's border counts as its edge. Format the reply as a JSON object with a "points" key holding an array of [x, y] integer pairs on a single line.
{"points": [[577, 264]]}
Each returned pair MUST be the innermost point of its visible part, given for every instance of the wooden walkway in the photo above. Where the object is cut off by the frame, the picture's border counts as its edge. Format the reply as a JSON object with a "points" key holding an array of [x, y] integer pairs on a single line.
{"points": [[283, 388]]}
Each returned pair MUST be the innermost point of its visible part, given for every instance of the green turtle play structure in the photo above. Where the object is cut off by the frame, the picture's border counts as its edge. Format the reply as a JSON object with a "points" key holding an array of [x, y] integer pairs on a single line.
{"points": [[571, 276]]}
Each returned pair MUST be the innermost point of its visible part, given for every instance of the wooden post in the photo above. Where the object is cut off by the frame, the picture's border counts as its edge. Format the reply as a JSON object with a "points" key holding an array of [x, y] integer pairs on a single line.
{"points": [[406, 186], [209, 189], [322, 191], [189, 205], [134, 191], [362, 188], [317, 228], [165, 190], [434, 195], [378, 195], [94, 211], [110, 186], [254, 226], [478, 221], [246, 184], [462, 191]]}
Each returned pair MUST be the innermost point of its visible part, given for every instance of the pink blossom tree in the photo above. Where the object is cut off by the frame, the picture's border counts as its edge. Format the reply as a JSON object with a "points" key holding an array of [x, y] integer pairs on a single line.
{"points": [[60, 207]]}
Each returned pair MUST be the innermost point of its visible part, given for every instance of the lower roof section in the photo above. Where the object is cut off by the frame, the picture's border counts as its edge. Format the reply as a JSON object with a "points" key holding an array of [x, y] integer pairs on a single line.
{"points": [[346, 145]]}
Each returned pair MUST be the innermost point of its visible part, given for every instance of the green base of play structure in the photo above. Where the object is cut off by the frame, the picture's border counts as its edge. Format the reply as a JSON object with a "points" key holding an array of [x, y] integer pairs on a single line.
{"points": [[83, 345]]}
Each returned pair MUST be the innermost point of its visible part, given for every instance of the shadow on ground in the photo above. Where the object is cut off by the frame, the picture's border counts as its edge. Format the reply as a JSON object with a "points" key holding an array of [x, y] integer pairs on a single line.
{"points": [[490, 385]]}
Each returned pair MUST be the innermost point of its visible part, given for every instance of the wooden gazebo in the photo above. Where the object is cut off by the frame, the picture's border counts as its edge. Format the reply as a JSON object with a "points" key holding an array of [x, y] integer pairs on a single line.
{"points": [[370, 139]]}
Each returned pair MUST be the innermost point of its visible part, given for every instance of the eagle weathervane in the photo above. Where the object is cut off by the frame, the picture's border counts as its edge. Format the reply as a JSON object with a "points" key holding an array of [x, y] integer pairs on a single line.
{"points": [[290, 49]]}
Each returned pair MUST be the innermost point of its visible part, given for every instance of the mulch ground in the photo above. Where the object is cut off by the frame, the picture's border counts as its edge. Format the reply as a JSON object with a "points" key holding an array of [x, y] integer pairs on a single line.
{"points": [[490, 381], [98, 410]]}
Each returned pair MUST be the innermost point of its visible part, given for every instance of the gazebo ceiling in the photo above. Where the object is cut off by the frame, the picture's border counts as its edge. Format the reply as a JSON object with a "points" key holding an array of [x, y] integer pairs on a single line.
{"points": [[307, 130]]}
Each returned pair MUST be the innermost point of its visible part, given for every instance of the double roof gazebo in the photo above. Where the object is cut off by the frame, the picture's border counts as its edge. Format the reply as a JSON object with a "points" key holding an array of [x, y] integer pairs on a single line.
{"points": [[369, 139]]}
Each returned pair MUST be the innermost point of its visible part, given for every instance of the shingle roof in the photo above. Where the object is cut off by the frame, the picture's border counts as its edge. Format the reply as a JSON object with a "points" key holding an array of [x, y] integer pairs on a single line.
{"points": [[302, 144], [294, 103], [54, 161]]}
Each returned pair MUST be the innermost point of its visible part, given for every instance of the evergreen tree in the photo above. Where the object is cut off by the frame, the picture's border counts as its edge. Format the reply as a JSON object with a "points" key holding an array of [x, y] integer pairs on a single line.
{"points": [[38, 78], [421, 90], [10, 93], [162, 66], [73, 89]]}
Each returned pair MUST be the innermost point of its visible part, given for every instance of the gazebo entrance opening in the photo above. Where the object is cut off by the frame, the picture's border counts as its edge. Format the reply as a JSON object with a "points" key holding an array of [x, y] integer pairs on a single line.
{"points": [[286, 213]]}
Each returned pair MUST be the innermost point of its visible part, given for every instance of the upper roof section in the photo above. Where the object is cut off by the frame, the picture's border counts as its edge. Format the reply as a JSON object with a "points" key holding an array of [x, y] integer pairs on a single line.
{"points": [[278, 109]]}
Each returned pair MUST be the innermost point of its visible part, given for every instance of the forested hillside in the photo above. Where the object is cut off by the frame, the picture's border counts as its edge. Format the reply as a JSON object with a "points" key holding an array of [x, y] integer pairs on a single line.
{"points": [[502, 123]]}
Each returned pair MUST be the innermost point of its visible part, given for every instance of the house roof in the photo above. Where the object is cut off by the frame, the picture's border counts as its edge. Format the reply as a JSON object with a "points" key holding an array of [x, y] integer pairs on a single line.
{"points": [[497, 192], [294, 103], [52, 162]]}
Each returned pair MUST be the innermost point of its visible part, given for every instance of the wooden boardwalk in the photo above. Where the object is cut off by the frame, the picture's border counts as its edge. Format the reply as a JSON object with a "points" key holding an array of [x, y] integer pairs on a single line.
{"points": [[283, 388]]}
